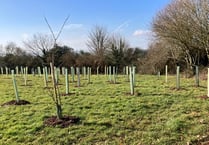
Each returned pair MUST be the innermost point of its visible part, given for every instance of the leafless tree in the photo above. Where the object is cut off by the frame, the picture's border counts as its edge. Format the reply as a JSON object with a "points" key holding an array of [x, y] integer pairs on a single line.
{"points": [[97, 43], [184, 24], [39, 44]]}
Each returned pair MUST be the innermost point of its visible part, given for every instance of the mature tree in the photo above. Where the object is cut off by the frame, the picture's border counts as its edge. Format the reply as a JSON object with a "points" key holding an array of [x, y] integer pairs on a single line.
{"points": [[40, 44], [57, 53], [97, 44], [15, 56], [85, 59], [117, 49], [185, 25]]}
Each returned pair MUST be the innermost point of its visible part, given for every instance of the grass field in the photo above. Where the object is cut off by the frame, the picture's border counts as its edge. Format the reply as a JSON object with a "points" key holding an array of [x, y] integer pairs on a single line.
{"points": [[109, 115]]}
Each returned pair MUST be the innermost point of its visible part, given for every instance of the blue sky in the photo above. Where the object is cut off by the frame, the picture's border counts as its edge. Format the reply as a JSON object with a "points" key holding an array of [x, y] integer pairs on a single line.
{"points": [[20, 19]]}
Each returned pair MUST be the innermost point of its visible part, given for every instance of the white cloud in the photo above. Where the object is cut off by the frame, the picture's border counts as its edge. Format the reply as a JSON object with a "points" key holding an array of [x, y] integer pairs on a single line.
{"points": [[142, 32], [141, 38]]}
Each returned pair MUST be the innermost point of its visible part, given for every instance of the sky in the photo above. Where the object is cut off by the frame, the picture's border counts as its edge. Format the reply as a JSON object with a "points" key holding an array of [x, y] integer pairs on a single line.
{"points": [[21, 19]]}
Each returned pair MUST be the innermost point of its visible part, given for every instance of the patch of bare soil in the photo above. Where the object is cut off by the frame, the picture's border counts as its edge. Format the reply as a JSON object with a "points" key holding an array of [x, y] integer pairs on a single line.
{"points": [[14, 102], [66, 121]]}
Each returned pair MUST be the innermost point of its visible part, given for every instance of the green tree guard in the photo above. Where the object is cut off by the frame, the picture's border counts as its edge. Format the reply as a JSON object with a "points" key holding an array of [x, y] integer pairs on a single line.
{"points": [[134, 72], [89, 75], [197, 80], [110, 74], [208, 82], [25, 74], [21, 70], [166, 74], [44, 74], [105, 70], [114, 75], [178, 77], [2, 70], [84, 72], [72, 73], [39, 71], [97, 70], [158, 75], [127, 73], [78, 76], [63, 70], [15, 87], [131, 80], [7, 71], [17, 70], [66, 81]]}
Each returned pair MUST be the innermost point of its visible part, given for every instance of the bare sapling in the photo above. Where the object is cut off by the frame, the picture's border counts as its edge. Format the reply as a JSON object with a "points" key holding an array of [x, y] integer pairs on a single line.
{"points": [[56, 95]]}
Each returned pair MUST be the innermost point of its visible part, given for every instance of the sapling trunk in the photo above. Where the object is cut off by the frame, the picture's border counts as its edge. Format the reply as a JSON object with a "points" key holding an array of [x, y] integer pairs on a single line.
{"points": [[56, 75], [15, 87], [56, 96]]}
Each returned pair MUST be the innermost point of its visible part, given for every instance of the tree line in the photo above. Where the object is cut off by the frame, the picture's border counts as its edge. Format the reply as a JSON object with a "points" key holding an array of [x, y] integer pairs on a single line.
{"points": [[180, 38]]}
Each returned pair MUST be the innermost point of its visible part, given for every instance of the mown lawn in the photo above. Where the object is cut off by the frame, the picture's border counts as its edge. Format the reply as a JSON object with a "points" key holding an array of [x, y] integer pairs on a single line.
{"points": [[157, 114]]}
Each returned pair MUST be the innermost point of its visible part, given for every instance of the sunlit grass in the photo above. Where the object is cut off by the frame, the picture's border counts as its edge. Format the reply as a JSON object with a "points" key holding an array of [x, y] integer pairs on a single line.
{"points": [[157, 114]]}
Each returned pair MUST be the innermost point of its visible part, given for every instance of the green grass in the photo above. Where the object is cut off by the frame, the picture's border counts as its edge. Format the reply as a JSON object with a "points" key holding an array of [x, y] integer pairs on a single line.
{"points": [[160, 115]]}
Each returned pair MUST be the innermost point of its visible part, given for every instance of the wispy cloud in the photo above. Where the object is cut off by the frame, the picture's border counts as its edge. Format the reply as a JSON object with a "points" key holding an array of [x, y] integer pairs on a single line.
{"points": [[121, 26], [74, 26], [141, 32]]}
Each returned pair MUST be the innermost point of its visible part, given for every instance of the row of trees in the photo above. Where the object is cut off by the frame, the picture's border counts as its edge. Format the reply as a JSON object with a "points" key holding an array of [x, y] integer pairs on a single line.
{"points": [[42, 50], [181, 37]]}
